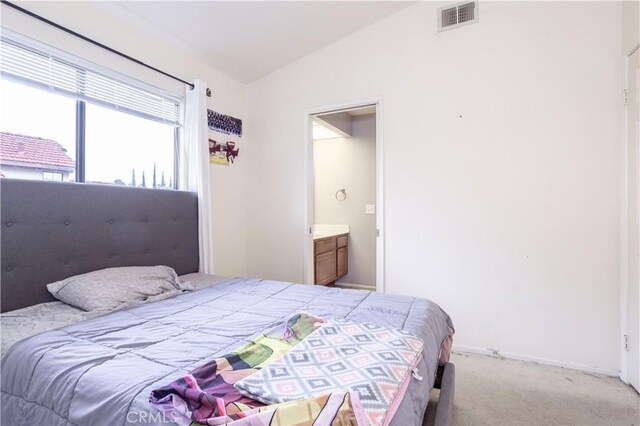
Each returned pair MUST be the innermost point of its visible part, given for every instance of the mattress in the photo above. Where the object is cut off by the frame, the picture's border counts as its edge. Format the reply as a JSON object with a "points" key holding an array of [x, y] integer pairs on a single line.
{"points": [[26, 322], [100, 371]]}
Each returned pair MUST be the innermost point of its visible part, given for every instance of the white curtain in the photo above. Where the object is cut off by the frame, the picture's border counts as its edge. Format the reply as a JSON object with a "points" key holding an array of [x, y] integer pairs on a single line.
{"points": [[194, 166]]}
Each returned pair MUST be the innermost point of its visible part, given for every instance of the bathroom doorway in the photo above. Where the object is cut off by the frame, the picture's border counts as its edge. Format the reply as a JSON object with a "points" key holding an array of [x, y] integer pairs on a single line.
{"points": [[344, 197]]}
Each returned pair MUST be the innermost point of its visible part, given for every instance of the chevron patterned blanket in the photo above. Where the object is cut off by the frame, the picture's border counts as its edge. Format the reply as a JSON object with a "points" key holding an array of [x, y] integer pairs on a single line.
{"points": [[371, 361], [305, 372], [207, 396]]}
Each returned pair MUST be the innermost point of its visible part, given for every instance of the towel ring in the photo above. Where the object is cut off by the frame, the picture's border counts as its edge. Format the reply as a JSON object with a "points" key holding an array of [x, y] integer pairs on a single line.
{"points": [[342, 197]]}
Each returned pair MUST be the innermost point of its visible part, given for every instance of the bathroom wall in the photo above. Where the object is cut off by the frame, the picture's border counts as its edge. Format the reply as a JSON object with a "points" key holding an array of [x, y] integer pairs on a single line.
{"points": [[350, 163]]}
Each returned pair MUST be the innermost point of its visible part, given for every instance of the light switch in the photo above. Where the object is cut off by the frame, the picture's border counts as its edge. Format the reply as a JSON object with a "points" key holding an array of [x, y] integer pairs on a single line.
{"points": [[369, 209]]}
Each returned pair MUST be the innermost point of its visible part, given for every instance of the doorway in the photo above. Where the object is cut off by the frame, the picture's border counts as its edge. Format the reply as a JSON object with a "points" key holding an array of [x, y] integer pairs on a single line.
{"points": [[632, 326], [344, 236]]}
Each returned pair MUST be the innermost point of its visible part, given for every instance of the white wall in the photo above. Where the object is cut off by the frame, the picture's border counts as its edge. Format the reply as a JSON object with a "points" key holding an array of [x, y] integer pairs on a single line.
{"points": [[350, 163], [18, 172], [630, 25], [107, 23], [502, 164]]}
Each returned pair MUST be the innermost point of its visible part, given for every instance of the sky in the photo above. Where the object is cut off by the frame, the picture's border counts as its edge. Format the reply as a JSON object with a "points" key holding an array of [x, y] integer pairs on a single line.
{"points": [[116, 142]]}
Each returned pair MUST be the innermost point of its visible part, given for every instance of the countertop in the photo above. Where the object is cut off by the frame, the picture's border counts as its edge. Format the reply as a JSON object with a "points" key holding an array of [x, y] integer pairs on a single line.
{"points": [[319, 236], [325, 231]]}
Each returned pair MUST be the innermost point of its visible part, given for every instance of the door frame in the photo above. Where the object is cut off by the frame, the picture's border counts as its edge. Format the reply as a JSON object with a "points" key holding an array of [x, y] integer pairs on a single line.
{"points": [[624, 240], [309, 185]]}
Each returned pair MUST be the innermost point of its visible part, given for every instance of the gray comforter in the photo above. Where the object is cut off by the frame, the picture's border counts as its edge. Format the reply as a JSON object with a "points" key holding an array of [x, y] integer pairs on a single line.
{"points": [[101, 371]]}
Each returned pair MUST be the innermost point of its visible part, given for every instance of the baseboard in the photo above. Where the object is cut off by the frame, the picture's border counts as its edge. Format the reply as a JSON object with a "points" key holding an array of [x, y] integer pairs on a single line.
{"points": [[537, 360], [356, 286]]}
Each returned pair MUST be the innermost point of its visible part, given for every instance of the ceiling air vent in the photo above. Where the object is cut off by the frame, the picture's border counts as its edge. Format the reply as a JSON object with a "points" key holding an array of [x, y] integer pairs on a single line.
{"points": [[457, 15]]}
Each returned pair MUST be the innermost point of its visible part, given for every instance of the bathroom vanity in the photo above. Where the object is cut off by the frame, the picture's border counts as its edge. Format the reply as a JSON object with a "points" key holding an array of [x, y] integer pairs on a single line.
{"points": [[331, 259]]}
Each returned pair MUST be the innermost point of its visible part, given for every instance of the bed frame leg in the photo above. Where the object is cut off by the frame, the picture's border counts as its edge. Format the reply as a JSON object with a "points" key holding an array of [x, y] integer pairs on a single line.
{"points": [[445, 381]]}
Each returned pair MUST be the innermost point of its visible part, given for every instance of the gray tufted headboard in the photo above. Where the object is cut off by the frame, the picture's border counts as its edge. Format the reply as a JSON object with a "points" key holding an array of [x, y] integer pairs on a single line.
{"points": [[52, 230]]}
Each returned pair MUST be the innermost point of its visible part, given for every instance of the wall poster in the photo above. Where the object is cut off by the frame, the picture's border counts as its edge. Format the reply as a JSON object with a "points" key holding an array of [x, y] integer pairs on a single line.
{"points": [[223, 138]]}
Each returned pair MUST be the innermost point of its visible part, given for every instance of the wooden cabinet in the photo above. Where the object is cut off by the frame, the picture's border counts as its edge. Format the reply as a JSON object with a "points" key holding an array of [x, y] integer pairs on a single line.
{"points": [[342, 262], [326, 270], [331, 258]]}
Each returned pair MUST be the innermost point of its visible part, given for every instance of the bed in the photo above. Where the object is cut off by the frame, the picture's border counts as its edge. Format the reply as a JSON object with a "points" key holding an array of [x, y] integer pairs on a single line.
{"points": [[101, 369]]}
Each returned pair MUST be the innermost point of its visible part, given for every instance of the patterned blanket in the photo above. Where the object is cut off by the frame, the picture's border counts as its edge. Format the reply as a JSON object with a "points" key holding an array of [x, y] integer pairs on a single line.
{"points": [[307, 372], [207, 394], [335, 409], [373, 361]]}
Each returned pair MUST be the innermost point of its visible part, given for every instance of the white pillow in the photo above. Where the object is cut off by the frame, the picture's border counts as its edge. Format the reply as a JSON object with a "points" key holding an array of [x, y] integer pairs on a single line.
{"points": [[112, 288]]}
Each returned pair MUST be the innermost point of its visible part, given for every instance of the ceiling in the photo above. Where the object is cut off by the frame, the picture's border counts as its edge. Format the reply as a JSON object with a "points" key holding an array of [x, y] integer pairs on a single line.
{"points": [[249, 39], [371, 109], [353, 112]]}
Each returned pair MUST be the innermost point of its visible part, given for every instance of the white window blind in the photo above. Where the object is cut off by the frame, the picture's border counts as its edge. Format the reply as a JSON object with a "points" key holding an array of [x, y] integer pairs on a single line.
{"points": [[61, 73]]}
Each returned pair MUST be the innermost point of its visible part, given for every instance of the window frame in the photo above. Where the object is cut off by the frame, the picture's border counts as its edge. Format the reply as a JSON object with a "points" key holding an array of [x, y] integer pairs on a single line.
{"points": [[60, 174], [82, 66]]}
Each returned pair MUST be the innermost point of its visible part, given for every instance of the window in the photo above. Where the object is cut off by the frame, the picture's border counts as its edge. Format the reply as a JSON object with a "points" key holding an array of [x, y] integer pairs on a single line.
{"points": [[128, 150], [37, 133], [58, 177], [63, 118]]}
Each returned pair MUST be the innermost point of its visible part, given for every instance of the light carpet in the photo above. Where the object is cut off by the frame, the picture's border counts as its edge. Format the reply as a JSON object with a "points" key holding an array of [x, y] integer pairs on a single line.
{"points": [[495, 391]]}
